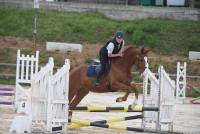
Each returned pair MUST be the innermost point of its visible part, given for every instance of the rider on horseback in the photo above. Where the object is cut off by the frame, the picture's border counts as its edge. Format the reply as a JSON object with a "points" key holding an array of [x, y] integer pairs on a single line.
{"points": [[111, 49]]}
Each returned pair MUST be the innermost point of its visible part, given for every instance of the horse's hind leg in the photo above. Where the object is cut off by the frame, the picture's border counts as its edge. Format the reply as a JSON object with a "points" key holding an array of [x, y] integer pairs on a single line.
{"points": [[72, 94], [77, 98], [71, 97]]}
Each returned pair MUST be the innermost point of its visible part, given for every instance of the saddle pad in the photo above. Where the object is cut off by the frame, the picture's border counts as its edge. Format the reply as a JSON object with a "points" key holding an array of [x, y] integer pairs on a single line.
{"points": [[91, 71]]}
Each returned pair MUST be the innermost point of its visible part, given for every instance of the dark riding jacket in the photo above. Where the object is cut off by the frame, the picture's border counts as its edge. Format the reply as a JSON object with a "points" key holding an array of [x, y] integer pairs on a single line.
{"points": [[104, 52], [104, 59]]}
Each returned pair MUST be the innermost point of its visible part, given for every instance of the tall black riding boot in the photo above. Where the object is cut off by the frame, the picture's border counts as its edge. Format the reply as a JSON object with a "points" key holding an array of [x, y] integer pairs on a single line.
{"points": [[97, 79]]}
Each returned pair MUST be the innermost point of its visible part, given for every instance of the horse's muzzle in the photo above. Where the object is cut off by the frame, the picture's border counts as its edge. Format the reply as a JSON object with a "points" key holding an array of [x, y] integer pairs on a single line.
{"points": [[142, 72]]}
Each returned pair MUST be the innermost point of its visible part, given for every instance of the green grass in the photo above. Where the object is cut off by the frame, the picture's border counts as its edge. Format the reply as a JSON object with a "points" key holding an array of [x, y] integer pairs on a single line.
{"points": [[7, 81], [193, 93], [167, 36], [197, 3], [136, 77]]}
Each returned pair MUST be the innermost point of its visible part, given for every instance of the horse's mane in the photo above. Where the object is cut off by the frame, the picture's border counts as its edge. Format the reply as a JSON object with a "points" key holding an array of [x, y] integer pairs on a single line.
{"points": [[126, 51], [127, 48]]}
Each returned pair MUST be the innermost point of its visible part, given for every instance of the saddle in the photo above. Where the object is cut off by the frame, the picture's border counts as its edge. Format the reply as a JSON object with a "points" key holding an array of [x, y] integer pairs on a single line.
{"points": [[94, 68]]}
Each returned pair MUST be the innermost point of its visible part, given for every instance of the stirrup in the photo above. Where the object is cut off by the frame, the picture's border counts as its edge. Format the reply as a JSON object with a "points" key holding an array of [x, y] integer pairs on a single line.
{"points": [[96, 83]]}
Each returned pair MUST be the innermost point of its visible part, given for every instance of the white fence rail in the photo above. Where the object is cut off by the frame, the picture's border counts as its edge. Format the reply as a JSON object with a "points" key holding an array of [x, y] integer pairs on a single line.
{"points": [[167, 99], [150, 96], [158, 92], [59, 95], [45, 100], [40, 92], [26, 67], [49, 96]]}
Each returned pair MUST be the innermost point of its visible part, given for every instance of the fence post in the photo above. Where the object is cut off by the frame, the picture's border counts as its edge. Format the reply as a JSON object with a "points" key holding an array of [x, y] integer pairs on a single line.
{"points": [[180, 83], [25, 68]]}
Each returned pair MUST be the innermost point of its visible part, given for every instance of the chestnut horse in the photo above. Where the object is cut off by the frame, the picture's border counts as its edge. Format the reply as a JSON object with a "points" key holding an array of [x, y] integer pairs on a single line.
{"points": [[119, 76]]}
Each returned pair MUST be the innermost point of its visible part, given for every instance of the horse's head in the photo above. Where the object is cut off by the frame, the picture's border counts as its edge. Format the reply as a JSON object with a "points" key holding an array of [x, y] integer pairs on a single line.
{"points": [[133, 56], [140, 62]]}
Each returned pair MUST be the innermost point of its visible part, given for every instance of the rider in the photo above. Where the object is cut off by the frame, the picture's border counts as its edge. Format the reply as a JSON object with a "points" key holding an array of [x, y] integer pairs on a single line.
{"points": [[111, 49]]}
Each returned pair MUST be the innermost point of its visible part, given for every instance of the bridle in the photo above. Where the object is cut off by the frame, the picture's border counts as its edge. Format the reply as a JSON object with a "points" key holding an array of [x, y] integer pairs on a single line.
{"points": [[138, 62]]}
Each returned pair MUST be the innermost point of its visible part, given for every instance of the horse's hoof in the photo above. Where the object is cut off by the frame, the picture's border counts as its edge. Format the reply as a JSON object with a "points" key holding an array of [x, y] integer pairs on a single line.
{"points": [[70, 116], [119, 100], [133, 105]]}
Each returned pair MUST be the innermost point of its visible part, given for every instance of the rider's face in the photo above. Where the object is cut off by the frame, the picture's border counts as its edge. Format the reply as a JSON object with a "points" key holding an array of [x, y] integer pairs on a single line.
{"points": [[119, 40]]}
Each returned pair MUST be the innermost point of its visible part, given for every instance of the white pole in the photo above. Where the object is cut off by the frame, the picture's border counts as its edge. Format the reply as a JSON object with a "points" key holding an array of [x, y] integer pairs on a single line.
{"points": [[50, 96], [36, 7], [145, 88], [159, 98]]}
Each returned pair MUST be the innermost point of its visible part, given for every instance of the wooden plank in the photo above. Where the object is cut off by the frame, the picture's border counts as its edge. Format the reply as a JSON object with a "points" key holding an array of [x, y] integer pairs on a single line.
{"points": [[63, 47]]}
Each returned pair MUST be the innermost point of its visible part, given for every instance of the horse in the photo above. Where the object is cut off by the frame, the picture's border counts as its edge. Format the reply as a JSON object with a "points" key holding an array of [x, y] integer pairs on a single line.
{"points": [[119, 77]]}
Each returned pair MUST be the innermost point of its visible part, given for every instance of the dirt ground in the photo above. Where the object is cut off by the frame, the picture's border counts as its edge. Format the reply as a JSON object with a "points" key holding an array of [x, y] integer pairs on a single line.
{"points": [[89, 50], [76, 58], [186, 117]]}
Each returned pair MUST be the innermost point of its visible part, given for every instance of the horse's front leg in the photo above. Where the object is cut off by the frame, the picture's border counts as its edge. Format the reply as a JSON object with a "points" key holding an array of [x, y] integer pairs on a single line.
{"points": [[128, 88], [135, 90], [118, 85]]}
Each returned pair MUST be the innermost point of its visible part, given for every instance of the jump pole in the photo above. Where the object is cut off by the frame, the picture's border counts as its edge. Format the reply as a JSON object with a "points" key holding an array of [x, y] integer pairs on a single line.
{"points": [[86, 123], [74, 123], [129, 108], [6, 91], [6, 94], [6, 102], [111, 126]]}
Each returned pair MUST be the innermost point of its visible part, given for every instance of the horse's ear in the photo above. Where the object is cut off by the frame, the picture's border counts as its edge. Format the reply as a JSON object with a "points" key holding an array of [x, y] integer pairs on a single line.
{"points": [[144, 50]]}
